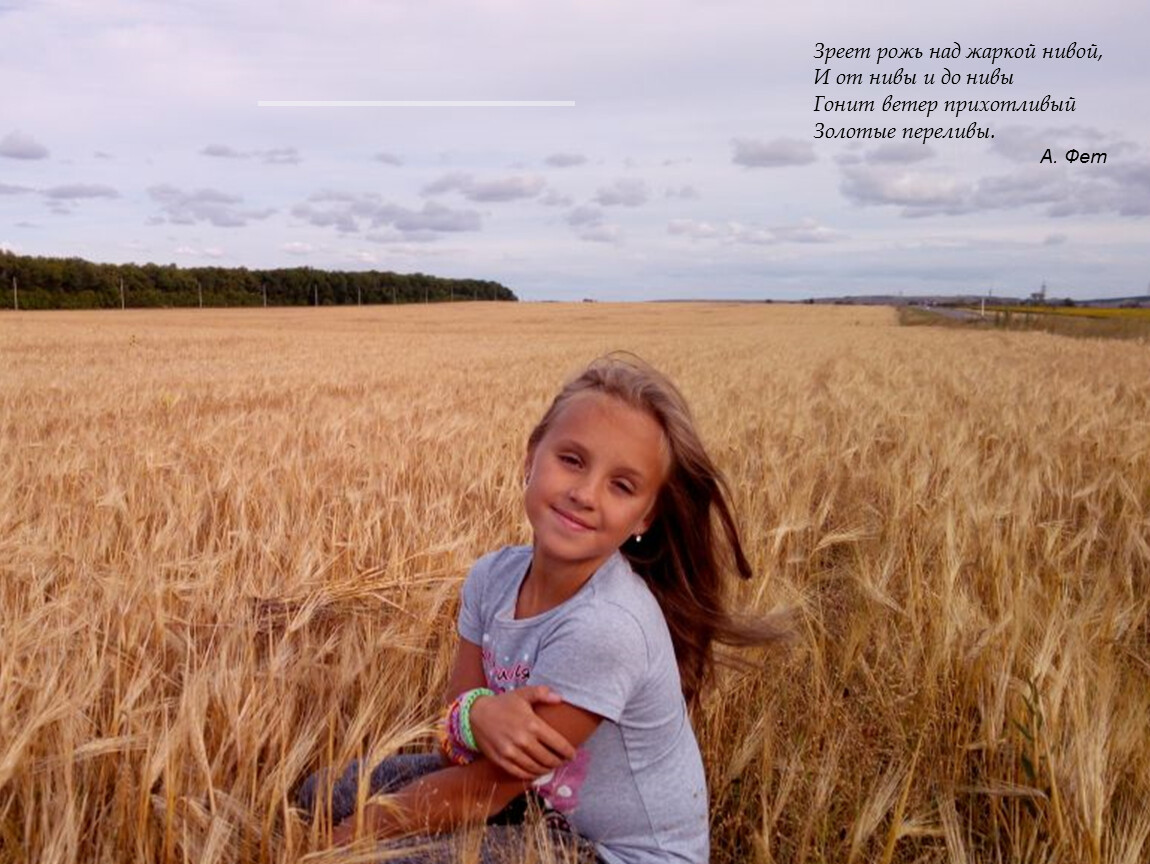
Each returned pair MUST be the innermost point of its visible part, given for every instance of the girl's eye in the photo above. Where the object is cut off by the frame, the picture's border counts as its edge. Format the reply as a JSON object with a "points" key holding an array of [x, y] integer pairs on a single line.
{"points": [[624, 487], [568, 459]]}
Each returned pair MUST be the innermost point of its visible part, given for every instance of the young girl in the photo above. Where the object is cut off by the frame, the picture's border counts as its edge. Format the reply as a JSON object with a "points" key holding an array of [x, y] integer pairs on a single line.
{"points": [[579, 654]]}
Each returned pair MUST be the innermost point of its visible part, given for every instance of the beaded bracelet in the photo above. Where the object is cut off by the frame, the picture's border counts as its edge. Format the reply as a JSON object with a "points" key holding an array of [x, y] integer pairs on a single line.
{"points": [[456, 738]]}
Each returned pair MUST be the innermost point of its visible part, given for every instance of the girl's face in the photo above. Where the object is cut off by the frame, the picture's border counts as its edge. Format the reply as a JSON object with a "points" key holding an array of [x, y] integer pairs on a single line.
{"points": [[593, 480]]}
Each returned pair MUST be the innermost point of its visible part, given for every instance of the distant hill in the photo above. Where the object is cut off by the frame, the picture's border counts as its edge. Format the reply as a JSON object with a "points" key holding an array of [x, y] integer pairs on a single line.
{"points": [[73, 283]]}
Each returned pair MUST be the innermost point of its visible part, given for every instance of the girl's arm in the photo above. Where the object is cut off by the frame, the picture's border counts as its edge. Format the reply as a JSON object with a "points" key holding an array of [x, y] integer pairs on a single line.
{"points": [[508, 728], [460, 795]]}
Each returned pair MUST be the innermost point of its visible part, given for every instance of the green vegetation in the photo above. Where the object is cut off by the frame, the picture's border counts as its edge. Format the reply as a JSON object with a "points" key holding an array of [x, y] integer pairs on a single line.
{"points": [[73, 283], [1081, 321]]}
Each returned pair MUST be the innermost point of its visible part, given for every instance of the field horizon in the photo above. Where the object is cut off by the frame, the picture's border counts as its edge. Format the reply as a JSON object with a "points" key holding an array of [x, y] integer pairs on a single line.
{"points": [[231, 542]]}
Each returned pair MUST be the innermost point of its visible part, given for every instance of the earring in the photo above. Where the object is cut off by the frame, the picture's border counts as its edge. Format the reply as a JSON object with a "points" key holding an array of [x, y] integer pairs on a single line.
{"points": [[638, 538]]}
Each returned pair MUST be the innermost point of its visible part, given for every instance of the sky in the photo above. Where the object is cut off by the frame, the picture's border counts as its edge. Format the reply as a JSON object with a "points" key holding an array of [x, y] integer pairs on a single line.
{"points": [[687, 167]]}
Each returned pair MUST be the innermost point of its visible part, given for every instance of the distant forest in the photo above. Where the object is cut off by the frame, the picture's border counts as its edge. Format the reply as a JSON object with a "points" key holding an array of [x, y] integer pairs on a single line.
{"points": [[72, 283]]}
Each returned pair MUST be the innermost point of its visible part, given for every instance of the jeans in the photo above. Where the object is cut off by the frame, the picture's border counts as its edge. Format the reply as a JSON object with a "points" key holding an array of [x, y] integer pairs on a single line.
{"points": [[504, 838]]}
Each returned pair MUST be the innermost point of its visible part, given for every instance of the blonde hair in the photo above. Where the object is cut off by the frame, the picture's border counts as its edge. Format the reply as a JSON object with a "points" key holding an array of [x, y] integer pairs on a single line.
{"points": [[693, 541]]}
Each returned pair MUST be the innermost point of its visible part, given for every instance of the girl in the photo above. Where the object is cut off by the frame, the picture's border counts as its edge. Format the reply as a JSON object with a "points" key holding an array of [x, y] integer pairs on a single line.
{"points": [[580, 654]]}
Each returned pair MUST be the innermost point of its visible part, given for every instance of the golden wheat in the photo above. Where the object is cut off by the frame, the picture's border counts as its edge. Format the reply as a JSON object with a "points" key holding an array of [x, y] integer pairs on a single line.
{"points": [[231, 541]]}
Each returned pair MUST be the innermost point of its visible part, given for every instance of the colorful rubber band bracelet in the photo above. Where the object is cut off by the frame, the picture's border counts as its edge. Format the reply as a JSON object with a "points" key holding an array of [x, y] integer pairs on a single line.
{"points": [[466, 701]]}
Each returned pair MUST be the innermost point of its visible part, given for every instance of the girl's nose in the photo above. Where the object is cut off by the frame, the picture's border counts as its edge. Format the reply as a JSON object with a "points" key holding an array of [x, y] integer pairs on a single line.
{"points": [[581, 494]]}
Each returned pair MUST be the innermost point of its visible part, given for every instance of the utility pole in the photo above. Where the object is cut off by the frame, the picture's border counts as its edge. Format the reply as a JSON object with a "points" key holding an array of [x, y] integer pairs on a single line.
{"points": [[358, 295], [315, 294], [122, 305], [264, 285], [15, 296], [200, 292]]}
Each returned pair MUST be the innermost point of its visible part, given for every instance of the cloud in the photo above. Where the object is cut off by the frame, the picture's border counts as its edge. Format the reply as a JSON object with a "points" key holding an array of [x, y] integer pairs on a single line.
{"points": [[590, 225], [349, 214], [273, 156], [920, 192], [603, 233], [806, 231], [552, 198], [280, 156], [509, 188], [387, 158], [9, 189], [565, 160], [206, 252], [18, 145], [222, 151], [1122, 188], [76, 191], [203, 205], [584, 215], [684, 192], [434, 217], [297, 248], [1027, 144], [622, 193], [780, 152], [1054, 240]]}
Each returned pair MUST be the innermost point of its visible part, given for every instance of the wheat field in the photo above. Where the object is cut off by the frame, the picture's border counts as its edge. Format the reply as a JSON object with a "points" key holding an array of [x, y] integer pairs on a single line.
{"points": [[231, 541]]}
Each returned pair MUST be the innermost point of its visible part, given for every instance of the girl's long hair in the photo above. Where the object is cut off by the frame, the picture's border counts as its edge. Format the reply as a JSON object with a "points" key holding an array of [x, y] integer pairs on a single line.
{"points": [[693, 541]]}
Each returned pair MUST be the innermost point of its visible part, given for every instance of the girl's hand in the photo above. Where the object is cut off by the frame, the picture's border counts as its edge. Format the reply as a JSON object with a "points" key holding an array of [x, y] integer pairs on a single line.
{"points": [[511, 735]]}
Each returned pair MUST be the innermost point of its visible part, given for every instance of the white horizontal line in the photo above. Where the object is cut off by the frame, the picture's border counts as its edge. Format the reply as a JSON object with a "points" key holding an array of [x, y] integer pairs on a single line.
{"points": [[376, 103]]}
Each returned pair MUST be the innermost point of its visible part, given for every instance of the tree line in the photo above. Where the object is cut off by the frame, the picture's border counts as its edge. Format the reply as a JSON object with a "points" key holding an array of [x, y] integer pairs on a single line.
{"points": [[73, 283]]}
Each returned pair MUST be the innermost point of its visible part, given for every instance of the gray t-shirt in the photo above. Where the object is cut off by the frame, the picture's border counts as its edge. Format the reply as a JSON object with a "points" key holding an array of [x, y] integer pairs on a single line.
{"points": [[636, 787]]}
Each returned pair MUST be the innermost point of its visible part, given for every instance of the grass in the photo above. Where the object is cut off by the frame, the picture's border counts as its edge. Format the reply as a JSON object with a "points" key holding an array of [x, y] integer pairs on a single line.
{"points": [[231, 542], [1080, 321]]}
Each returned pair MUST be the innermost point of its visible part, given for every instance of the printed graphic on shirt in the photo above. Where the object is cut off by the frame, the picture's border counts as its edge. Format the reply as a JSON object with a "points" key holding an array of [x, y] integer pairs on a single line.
{"points": [[559, 789]]}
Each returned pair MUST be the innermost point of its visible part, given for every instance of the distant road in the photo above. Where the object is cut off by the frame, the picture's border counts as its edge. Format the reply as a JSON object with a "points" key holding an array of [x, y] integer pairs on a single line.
{"points": [[948, 312]]}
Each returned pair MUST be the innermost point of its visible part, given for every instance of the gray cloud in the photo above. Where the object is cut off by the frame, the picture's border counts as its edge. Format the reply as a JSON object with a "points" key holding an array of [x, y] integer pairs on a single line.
{"points": [[553, 198], [9, 189], [622, 193], [685, 192], [509, 188], [777, 153], [1122, 188], [1027, 144], [565, 160], [75, 191], [919, 192], [349, 214], [602, 233], [222, 151], [280, 156], [272, 156], [18, 145], [387, 158], [584, 215], [203, 205]]}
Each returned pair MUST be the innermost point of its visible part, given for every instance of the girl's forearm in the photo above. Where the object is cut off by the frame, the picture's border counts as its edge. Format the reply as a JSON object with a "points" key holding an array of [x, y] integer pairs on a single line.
{"points": [[443, 801]]}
